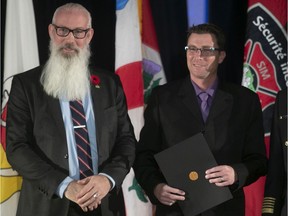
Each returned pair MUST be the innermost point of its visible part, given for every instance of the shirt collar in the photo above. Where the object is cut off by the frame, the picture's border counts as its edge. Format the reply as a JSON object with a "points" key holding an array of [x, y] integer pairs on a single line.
{"points": [[211, 90]]}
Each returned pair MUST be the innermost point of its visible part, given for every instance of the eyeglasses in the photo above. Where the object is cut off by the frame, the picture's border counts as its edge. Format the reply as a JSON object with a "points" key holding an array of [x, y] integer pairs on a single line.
{"points": [[64, 32], [209, 51]]}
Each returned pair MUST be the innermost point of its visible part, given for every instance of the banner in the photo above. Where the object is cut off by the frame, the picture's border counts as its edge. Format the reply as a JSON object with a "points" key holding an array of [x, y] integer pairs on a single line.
{"points": [[264, 72], [20, 54]]}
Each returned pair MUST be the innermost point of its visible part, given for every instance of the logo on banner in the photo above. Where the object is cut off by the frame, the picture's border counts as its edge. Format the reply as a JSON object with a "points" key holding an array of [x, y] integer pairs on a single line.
{"points": [[265, 63]]}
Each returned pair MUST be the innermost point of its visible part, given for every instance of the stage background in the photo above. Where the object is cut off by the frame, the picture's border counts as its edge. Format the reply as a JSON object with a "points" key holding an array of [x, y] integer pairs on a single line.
{"points": [[171, 22], [170, 18]]}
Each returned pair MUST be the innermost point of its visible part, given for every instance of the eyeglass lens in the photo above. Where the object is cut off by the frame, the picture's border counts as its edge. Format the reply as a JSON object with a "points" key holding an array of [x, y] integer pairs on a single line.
{"points": [[77, 33], [203, 51]]}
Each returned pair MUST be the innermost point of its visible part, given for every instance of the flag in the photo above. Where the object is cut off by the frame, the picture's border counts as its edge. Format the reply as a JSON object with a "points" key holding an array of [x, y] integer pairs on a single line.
{"points": [[20, 54], [128, 65], [153, 73], [140, 69], [264, 72]]}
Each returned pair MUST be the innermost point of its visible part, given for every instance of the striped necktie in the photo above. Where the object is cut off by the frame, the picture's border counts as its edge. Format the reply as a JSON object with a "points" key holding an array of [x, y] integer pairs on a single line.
{"points": [[81, 138]]}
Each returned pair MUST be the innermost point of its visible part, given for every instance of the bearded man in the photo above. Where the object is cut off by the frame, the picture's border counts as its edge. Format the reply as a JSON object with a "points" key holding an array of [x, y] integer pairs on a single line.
{"points": [[70, 166]]}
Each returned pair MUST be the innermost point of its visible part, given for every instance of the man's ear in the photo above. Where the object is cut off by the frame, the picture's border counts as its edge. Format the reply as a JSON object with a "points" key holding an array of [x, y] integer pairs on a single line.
{"points": [[222, 56], [89, 35], [50, 30]]}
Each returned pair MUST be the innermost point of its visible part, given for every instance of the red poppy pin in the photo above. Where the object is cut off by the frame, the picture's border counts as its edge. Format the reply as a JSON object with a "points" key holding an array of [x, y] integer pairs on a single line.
{"points": [[95, 80]]}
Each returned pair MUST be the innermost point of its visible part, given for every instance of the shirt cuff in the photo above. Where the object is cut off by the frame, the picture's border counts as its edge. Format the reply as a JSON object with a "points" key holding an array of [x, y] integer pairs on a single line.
{"points": [[110, 179], [62, 186]]}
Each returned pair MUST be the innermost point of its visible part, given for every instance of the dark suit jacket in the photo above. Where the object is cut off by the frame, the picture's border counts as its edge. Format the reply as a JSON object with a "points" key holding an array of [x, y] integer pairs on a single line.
{"points": [[37, 149], [233, 130], [275, 196]]}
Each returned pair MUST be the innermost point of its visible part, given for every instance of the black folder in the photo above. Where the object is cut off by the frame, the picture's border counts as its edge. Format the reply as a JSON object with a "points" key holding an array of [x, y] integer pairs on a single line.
{"points": [[183, 166]]}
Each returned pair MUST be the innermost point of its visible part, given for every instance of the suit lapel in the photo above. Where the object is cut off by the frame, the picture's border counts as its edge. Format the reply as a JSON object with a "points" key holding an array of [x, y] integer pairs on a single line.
{"points": [[189, 98], [54, 110], [221, 103], [96, 101], [56, 113], [219, 116]]}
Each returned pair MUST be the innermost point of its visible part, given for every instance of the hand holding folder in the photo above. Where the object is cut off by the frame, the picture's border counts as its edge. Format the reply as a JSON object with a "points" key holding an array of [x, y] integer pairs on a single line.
{"points": [[184, 165]]}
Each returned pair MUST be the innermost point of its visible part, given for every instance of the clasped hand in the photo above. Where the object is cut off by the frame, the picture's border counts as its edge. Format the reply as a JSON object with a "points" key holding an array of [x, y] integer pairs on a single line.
{"points": [[88, 192]]}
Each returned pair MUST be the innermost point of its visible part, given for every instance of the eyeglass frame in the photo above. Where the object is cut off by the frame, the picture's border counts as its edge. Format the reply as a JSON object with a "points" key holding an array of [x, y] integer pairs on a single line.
{"points": [[71, 30], [194, 50]]}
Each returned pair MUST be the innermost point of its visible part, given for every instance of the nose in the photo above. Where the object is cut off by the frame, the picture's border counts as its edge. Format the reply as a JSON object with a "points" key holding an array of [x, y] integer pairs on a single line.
{"points": [[70, 38], [198, 52]]}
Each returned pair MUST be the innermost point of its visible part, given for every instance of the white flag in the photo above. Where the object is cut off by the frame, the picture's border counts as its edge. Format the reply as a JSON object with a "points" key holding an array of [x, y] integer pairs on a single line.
{"points": [[20, 54]]}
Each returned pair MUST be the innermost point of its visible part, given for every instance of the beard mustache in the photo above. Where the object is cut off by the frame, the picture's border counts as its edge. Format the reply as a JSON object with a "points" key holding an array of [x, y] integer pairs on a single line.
{"points": [[66, 76]]}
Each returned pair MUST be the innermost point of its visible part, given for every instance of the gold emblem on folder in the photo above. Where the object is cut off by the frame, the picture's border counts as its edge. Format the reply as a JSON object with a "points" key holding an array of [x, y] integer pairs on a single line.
{"points": [[193, 176]]}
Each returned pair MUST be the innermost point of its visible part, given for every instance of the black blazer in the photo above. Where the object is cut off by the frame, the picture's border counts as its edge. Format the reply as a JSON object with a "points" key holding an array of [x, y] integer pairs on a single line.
{"points": [[275, 196], [233, 130], [36, 142]]}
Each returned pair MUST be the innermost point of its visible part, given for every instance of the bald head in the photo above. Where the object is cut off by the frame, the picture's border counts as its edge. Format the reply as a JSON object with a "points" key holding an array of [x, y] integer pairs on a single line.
{"points": [[73, 8]]}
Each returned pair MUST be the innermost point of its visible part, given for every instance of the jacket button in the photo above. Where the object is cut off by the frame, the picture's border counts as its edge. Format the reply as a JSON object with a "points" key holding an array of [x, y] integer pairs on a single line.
{"points": [[286, 143], [66, 156]]}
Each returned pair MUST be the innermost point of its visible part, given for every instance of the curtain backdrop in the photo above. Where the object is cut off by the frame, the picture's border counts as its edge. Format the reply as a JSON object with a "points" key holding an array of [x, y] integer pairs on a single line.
{"points": [[170, 18]]}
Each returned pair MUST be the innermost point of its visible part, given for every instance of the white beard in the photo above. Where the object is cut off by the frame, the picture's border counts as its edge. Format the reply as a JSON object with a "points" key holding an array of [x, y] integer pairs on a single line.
{"points": [[66, 77]]}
